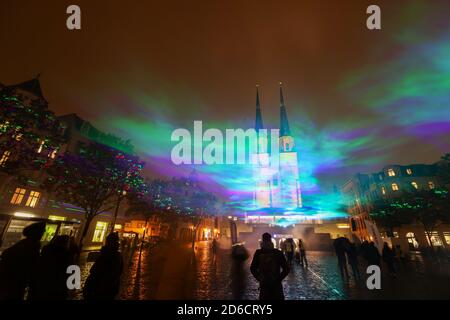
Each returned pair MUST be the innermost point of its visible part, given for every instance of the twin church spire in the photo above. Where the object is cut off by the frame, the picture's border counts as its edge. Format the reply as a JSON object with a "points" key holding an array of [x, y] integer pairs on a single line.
{"points": [[258, 121], [284, 123]]}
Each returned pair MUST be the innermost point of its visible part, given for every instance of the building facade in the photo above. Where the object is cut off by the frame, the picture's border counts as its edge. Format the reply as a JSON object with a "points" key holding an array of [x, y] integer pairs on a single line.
{"points": [[24, 202], [393, 181]]}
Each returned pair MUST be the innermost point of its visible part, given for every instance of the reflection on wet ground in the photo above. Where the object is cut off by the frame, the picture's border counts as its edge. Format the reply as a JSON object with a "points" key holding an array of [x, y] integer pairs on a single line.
{"points": [[169, 271], [219, 277]]}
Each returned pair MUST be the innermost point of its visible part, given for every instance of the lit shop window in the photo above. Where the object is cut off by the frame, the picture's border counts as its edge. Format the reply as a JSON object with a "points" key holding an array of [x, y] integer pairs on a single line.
{"points": [[431, 184], [409, 171], [383, 190], [391, 172], [100, 231], [49, 233], [447, 237], [435, 239], [18, 195], [4, 158], [394, 187], [415, 185], [412, 241], [33, 199], [57, 218]]}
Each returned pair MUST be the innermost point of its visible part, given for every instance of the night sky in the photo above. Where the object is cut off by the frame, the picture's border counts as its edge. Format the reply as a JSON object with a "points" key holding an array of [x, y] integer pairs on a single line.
{"points": [[356, 99]]}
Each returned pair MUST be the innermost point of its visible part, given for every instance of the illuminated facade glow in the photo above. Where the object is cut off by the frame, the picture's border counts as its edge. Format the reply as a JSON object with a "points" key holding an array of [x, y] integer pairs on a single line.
{"points": [[276, 174]]}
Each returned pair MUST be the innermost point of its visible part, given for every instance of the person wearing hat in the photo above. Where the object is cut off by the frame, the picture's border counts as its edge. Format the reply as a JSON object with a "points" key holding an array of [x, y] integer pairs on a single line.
{"points": [[18, 261]]}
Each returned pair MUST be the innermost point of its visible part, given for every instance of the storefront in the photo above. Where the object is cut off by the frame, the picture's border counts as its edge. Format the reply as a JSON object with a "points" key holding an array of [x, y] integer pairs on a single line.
{"points": [[11, 227]]}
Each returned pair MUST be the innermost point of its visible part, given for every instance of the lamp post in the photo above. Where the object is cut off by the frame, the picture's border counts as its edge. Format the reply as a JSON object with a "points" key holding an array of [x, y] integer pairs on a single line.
{"points": [[143, 238]]}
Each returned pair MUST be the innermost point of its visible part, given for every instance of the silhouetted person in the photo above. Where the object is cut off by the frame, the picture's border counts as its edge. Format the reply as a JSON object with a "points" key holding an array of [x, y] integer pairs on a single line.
{"points": [[74, 250], [239, 255], [239, 252], [373, 256], [289, 248], [269, 267], [400, 256], [50, 280], [18, 262], [214, 246], [363, 249], [302, 253], [389, 259], [341, 246], [103, 282], [352, 255]]}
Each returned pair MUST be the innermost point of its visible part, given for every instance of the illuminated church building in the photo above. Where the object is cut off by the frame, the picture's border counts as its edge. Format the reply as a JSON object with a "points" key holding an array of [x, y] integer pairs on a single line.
{"points": [[277, 183]]}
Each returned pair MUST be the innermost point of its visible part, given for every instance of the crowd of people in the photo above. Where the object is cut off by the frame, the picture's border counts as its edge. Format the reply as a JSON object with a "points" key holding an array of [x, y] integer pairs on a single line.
{"points": [[29, 272], [348, 253], [271, 265], [293, 250]]}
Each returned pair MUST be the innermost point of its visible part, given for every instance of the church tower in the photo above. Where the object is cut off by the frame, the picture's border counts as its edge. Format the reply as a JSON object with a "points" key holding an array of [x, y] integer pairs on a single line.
{"points": [[264, 176], [290, 194], [276, 180]]}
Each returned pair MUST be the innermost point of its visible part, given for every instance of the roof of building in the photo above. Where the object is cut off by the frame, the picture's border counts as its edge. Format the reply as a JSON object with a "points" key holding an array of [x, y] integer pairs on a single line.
{"points": [[32, 86]]}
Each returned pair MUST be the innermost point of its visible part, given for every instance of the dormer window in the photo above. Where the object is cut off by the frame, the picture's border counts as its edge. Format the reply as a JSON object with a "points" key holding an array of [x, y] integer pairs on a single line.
{"points": [[391, 172], [4, 127], [18, 136], [4, 158], [52, 154], [409, 171], [41, 146]]}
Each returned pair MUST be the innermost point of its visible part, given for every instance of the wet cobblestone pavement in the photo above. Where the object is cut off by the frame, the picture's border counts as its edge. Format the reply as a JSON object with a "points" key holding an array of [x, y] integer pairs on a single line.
{"points": [[172, 272], [220, 278]]}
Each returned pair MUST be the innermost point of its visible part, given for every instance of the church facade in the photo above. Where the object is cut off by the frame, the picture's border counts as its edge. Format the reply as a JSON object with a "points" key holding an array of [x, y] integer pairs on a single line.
{"points": [[276, 174]]}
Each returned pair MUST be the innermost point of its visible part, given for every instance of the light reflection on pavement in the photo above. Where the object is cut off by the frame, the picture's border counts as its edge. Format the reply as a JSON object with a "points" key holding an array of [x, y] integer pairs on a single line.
{"points": [[170, 272]]}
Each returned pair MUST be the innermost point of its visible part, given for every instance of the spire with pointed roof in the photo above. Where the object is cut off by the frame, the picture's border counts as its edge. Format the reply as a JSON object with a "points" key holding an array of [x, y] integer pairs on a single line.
{"points": [[284, 123], [258, 121]]}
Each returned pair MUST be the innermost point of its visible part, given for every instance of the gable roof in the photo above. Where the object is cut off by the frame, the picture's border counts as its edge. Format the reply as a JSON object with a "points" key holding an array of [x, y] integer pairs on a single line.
{"points": [[33, 86]]}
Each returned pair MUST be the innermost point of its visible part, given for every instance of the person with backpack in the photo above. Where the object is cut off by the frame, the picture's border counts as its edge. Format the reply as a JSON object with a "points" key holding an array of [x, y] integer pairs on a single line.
{"points": [[269, 267]]}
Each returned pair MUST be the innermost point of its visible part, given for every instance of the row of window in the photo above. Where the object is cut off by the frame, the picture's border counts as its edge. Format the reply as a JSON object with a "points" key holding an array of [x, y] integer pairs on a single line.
{"points": [[436, 240], [19, 195], [391, 172], [434, 237], [395, 186], [6, 154]]}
